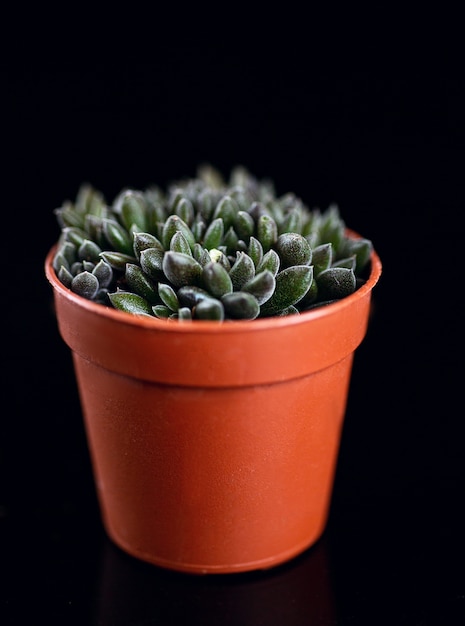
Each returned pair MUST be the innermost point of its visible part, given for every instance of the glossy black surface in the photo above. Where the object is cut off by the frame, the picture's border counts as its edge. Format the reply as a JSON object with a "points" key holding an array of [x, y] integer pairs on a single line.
{"points": [[386, 140]]}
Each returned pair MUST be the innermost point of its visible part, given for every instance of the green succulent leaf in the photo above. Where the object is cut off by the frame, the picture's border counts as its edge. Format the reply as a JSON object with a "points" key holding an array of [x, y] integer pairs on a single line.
{"points": [[104, 273], [88, 266], [270, 262], [361, 248], [140, 283], [89, 251], [226, 209], [142, 241], [209, 309], [130, 303], [161, 311], [216, 279], [179, 243], [134, 210], [230, 240], [293, 249], [292, 284], [242, 270], [151, 262], [74, 235], [261, 286], [168, 296], [185, 210], [117, 260], [336, 283], [214, 234], [184, 314], [172, 225], [322, 257], [292, 222], [349, 262], [244, 225], [60, 260], [85, 284], [240, 305], [181, 269], [200, 254], [255, 251], [267, 231], [117, 236], [190, 295], [65, 276]]}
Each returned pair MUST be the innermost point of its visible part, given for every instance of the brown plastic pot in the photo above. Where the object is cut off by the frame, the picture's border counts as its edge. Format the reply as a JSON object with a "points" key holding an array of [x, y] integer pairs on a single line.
{"points": [[214, 445]]}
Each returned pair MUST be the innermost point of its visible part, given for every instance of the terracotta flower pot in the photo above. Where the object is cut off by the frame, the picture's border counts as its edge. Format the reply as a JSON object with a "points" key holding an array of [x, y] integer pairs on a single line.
{"points": [[214, 445]]}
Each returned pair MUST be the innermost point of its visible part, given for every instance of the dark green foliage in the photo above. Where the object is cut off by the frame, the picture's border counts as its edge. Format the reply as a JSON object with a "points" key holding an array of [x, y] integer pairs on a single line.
{"points": [[207, 249]]}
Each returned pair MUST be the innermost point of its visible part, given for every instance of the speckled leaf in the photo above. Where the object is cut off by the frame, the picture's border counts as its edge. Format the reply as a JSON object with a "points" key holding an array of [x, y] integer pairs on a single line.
{"points": [[270, 262], [348, 262], [104, 273], [179, 243], [168, 296], [151, 262], [190, 295], [322, 257], [292, 222], [261, 286], [89, 251], [209, 309], [60, 260], [293, 249], [142, 241], [161, 311], [65, 276], [69, 251], [242, 270], [226, 209], [216, 280], [230, 240], [292, 284], [140, 283], [336, 282], [181, 269], [244, 225], [198, 227], [88, 266], [214, 234], [200, 254], [173, 224], [130, 303], [185, 210], [255, 251], [117, 260], [240, 305], [85, 284], [73, 235], [267, 231], [362, 248], [133, 210], [117, 236]]}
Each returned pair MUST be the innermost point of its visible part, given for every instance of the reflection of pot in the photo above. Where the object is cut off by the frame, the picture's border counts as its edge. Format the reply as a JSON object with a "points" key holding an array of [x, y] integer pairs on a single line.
{"points": [[296, 594], [214, 445]]}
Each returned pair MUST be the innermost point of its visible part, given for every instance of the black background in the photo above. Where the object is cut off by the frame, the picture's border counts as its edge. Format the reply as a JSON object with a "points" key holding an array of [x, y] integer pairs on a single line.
{"points": [[376, 126]]}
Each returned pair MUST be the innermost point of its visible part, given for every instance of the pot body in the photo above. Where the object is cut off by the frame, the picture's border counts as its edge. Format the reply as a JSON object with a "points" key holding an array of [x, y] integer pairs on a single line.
{"points": [[214, 445]]}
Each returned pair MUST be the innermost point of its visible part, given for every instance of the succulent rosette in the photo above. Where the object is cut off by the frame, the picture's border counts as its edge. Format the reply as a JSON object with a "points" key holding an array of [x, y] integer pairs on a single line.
{"points": [[206, 248]]}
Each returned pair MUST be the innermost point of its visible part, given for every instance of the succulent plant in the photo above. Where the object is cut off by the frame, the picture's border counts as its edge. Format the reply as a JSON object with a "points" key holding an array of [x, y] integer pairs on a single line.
{"points": [[207, 249]]}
